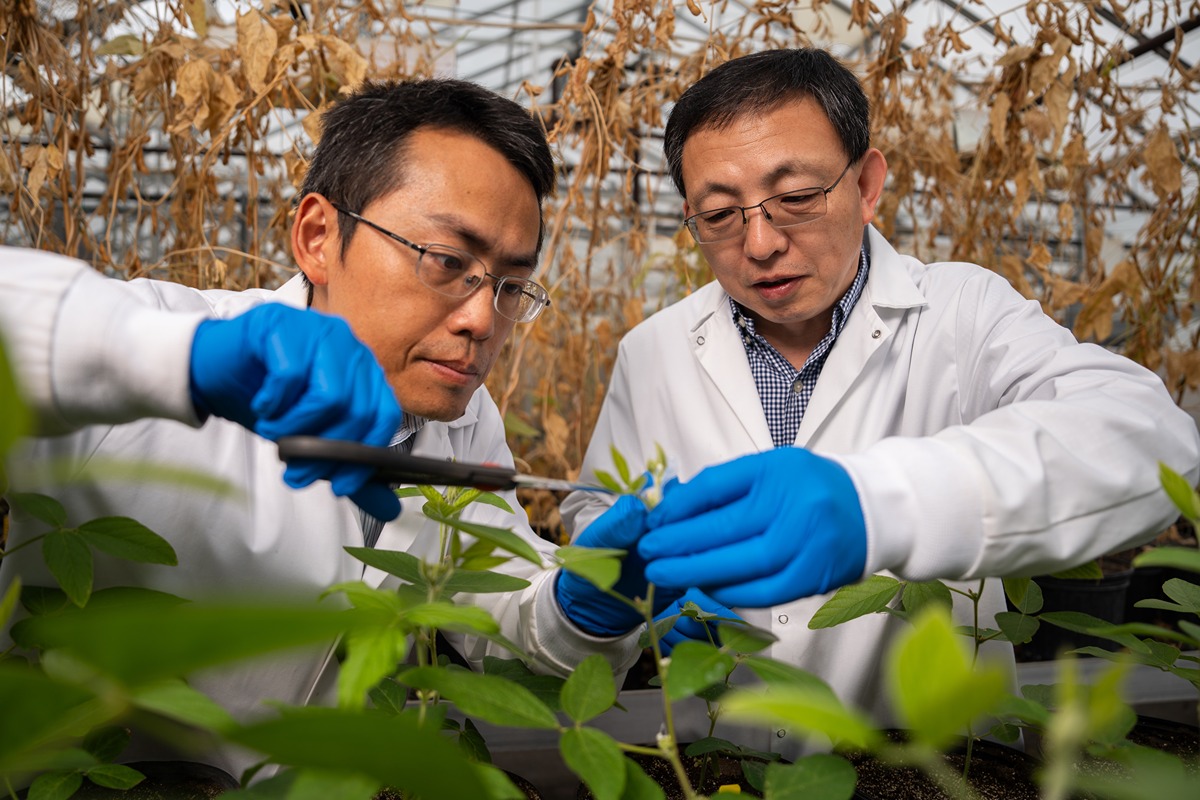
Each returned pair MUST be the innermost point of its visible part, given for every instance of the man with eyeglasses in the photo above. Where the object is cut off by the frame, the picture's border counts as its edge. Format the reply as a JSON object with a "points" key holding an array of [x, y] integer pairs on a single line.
{"points": [[416, 233], [835, 409]]}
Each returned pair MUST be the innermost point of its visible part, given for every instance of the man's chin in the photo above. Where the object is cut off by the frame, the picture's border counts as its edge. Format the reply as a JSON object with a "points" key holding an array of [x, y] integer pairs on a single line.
{"points": [[441, 409]]}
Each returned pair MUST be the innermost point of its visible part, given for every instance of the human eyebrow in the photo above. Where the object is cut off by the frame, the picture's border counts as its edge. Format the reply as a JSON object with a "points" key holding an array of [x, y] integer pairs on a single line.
{"points": [[477, 243]]}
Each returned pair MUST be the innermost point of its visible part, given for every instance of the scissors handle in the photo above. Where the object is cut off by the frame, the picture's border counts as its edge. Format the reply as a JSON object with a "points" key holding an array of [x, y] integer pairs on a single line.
{"points": [[392, 466]]}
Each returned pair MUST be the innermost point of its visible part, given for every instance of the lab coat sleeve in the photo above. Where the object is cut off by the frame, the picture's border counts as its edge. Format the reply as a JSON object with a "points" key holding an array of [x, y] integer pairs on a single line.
{"points": [[88, 350], [1055, 462], [532, 618]]}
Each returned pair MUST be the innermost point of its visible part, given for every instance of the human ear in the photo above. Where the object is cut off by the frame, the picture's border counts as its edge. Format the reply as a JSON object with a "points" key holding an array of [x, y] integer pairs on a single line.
{"points": [[315, 240], [871, 177]]}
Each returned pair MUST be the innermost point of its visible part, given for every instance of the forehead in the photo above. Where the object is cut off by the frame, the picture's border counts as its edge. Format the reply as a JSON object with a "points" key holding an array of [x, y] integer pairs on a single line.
{"points": [[454, 186], [792, 142]]}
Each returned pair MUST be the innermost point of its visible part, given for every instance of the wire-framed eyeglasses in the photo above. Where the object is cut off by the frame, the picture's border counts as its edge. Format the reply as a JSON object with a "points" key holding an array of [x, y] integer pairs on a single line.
{"points": [[456, 273], [783, 210]]}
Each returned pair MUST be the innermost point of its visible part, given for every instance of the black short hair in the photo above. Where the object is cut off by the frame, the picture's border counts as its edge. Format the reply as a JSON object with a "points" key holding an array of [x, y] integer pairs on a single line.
{"points": [[762, 82], [360, 154]]}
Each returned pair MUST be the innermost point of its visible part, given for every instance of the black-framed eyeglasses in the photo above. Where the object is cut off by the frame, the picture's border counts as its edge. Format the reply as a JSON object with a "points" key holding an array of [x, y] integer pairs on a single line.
{"points": [[783, 210], [456, 273]]}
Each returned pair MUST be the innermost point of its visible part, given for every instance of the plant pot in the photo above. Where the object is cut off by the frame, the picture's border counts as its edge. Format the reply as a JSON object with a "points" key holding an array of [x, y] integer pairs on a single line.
{"points": [[728, 773], [997, 772], [1104, 598]]}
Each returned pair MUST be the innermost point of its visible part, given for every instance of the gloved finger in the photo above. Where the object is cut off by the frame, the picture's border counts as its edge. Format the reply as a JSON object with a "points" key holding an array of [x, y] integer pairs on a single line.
{"points": [[301, 472], [714, 487], [719, 527], [745, 560], [377, 500], [619, 527], [287, 355], [346, 479]]}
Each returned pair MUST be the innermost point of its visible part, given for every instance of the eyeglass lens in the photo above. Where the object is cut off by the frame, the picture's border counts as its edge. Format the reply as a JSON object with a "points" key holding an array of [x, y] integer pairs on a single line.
{"points": [[458, 274], [782, 211]]}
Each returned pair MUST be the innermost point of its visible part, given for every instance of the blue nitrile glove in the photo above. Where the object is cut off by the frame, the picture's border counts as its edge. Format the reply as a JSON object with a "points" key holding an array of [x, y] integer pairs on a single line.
{"points": [[758, 531], [283, 371], [688, 629], [588, 607]]}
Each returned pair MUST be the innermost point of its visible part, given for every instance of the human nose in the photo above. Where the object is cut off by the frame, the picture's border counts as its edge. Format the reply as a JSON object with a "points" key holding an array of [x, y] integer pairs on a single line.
{"points": [[476, 313], [762, 239]]}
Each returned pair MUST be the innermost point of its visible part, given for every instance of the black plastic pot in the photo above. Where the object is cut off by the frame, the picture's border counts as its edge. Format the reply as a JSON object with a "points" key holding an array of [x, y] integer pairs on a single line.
{"points": [[1104, 598]]}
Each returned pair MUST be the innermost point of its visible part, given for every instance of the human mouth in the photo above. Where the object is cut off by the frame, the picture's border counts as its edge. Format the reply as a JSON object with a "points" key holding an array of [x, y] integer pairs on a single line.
{"points": [[775, 288], [458, 372]]}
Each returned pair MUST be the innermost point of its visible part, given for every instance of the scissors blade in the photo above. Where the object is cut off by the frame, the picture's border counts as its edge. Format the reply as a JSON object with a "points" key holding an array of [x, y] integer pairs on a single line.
{"points": [[555, 484]]}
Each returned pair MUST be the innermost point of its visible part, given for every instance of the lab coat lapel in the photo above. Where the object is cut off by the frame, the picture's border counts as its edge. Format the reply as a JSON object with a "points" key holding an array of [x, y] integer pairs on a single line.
{"points": [[889, 293], [719, 350]]}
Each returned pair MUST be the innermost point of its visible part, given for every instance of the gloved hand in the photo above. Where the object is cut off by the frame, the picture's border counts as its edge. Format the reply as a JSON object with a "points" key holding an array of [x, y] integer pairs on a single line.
{"points": [[282, 371], [758, 531], [591, 609], [689, 629]]}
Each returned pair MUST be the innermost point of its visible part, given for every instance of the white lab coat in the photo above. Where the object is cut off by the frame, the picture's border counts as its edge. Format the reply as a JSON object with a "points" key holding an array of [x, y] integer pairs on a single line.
{"points": [[97, 357], [982, 438]]}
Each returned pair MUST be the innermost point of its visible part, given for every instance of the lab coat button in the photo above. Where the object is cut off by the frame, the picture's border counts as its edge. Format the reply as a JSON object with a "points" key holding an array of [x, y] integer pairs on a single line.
{"points": [[783, 618], [875, 334], [699, 340], [780, 733]]}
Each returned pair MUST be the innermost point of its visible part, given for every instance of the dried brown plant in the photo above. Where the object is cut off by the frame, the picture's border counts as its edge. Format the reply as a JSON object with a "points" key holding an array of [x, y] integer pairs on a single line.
{"points": [[150, 140]]}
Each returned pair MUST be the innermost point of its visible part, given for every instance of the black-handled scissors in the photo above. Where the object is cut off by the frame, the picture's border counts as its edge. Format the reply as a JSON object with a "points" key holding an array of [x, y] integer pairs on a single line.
{"points": [[395, 467]]}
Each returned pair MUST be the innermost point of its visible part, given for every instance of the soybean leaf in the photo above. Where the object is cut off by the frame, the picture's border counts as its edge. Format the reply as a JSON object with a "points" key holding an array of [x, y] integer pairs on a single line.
{"points": [[115, 776], [8, 603], [590, 690], [40, 507], [1017, 628], [1024, 594], [16, 421], [742, 637], [1084, 572], [106, 743], [488, 697], [449, 617], [696, 666], [494, 500], [49, 711], [317, 784], [547, 688], [407, 491], [856, 600], [471, 742], [813, 711], [350, 741], [1177, 557], [606, 480], [404, 566], [70, 562], [186, 637], [620, 463], [639, 785], [936, 692], [596, 758], [129, 539], [597, 565], [56, 785], [500, 787], [390, 696], [1079, 622], [177, 700], [1180, 491], [371, 655], [775, 672], [661, 627], [824, 776], [501, 537], [483, 582], [918, 594], [363, 596]]}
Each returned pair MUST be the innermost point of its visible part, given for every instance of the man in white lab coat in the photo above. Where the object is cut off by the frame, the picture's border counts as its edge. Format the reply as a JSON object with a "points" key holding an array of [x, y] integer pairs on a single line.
{"points": [[835, 409], [418, 194]]}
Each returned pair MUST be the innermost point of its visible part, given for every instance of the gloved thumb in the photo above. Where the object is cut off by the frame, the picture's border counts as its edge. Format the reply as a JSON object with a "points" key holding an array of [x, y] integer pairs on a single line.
{"points": [[378, 500]]}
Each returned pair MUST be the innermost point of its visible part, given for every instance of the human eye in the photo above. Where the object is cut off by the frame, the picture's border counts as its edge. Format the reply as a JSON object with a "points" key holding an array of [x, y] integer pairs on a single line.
{"points": [[799, 200], [717, 216], [447, 259]]}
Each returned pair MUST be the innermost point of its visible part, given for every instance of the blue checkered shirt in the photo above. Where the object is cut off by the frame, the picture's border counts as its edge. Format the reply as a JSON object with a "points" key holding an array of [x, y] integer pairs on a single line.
{"points": [[784, 390]]}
